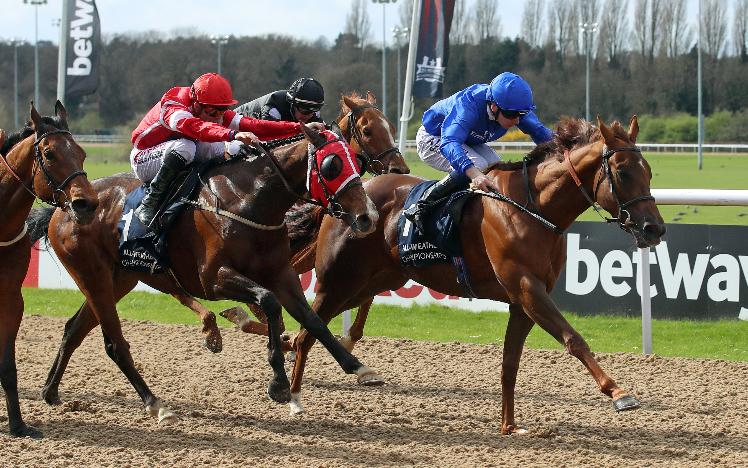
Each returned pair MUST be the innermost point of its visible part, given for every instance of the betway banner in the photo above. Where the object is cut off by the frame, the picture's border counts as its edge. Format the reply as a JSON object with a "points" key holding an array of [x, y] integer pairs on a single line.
{"points": [[83, 48], [697, 272], [433, 47]]}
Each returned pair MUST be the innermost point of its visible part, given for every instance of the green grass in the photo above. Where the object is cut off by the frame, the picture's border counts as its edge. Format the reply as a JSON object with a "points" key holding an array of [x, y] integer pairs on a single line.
{"points": [[726, 339]]}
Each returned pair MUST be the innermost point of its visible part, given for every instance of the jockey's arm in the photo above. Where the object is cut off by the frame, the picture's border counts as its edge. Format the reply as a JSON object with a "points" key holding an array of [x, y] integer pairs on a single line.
{"points": [[268, 129], [531, 125]]}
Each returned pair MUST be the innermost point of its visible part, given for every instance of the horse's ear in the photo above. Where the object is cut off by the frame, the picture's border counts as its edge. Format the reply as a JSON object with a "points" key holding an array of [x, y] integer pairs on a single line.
{"points": [[370, 98], [351, 104], [313, 136], [36, 119], [605, 131], [61, 112], [2, 137], [633, 128]]}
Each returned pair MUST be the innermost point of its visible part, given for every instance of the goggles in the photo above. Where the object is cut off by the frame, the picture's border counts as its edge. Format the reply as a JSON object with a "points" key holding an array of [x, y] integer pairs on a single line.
{"points": [[513, 114], [214, 111]]}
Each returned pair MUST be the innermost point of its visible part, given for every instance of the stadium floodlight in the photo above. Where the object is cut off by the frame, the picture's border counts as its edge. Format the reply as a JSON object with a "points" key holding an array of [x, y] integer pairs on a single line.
{"points": [[35, 4], [384, 54], [587, 29], [219, 41], [399, 32]]}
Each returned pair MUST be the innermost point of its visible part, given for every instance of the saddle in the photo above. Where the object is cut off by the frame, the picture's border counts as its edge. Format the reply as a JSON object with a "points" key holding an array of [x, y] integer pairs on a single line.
{"points": [[441, 241], [140, 248]]}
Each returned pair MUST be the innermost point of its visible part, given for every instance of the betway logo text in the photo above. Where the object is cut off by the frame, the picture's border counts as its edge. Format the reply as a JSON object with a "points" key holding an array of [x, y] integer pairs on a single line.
{"points": [[81, 31], [616, 274]]}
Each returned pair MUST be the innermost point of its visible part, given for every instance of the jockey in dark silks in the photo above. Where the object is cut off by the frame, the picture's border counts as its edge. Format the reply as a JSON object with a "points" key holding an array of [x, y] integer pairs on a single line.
{"points": [[299, 103], [456, 129]]}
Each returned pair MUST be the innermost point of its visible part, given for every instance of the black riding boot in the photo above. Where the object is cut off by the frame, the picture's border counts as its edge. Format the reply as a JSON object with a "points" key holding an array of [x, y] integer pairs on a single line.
{"points": [[173, 165], [439, 190]]}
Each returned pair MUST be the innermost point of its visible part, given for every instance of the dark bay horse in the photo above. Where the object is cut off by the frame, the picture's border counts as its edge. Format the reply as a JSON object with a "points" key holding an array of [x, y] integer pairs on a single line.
{"points": [[372, 137], [511, 256], [234, 246], [41, 161]]}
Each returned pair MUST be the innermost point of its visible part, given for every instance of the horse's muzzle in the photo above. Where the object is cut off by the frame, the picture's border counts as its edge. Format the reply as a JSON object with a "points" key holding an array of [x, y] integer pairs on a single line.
{"points": [[649, 234]]}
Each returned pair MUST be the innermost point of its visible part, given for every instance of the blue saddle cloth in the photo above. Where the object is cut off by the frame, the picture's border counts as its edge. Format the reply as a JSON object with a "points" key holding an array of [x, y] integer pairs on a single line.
{"points": [[441, 241], [140, 248]]}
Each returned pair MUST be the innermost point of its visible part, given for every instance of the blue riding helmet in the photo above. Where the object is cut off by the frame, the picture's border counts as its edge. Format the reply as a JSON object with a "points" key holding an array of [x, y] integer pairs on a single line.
{"points": [[510, 92]]}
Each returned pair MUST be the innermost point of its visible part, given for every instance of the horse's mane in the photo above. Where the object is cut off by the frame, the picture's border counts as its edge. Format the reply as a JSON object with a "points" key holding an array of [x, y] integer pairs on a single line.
{"points": [[27, 130], [570, 133]]}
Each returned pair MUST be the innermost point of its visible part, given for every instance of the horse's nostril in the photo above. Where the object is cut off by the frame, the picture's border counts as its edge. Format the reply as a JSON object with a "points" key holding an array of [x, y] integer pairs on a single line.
{"points": [[655, 229], [363, 222], [81, 205]]}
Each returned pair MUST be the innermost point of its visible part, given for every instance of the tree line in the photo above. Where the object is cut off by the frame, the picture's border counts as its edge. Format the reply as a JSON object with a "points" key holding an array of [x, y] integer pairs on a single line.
{"points": [[643, 64]]}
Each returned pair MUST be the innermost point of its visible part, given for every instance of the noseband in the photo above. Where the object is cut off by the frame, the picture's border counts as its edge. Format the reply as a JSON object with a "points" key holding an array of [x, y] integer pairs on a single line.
{"points": [[369, 160], [56, 188], [623, 214]]}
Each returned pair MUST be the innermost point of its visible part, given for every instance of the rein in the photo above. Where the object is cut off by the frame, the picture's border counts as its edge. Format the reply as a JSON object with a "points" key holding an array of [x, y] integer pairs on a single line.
{"points": [[56, 188], [369, 160]]}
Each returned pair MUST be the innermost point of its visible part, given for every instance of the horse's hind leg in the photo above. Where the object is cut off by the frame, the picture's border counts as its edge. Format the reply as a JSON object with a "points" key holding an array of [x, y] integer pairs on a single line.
{"points": [[213, 340], [514, 339], [239, 317], [232, 284], [11, 313], [356, 331], [76, 329]]}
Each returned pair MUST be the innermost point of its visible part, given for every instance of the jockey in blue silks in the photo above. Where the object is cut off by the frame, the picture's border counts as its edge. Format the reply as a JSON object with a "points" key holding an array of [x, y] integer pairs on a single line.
{"points": [[455, 131]]}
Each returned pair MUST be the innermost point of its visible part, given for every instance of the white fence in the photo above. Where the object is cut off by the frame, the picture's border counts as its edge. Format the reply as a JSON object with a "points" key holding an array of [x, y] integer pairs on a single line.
{"points": [[500, 145]]}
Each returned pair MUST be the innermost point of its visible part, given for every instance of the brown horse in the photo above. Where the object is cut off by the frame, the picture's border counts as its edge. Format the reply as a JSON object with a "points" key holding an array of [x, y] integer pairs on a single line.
{"points": [[372, 137], [42, 161], [512, 256], [233, 245]]}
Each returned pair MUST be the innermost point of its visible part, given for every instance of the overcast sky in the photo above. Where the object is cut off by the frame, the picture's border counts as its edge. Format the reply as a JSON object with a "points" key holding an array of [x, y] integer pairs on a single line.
{"points": [[307, 19]]}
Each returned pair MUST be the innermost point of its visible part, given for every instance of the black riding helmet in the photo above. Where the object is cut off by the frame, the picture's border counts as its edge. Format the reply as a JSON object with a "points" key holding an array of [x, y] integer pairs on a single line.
{"points": [[306, 93]]}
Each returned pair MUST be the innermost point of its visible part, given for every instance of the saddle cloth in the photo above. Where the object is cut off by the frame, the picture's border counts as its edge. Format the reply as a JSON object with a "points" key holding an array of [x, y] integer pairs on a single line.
{"points": [[141, 249]]}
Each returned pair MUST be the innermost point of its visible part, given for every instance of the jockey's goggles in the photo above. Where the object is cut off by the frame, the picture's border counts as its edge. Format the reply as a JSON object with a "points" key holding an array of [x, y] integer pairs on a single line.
{"points": [[214, 111], [513, 114]]}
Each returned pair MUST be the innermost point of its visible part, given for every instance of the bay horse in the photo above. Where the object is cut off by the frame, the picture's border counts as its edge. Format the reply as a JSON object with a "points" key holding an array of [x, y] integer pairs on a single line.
{"points": [[511, 256], [43, 162], [232, 245], [372, 138]]}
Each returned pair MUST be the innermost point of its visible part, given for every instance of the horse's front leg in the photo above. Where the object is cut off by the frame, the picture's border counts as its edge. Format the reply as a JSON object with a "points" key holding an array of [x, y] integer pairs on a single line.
{"points": [[541, 309], [291, 296], [356, 331], [233, 285], [514, 339]]}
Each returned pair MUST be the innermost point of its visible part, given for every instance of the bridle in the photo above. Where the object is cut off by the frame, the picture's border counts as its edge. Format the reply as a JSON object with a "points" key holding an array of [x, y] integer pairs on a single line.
{"points": [[56, 188], [333, 208], [623, 214], [369, 160]]}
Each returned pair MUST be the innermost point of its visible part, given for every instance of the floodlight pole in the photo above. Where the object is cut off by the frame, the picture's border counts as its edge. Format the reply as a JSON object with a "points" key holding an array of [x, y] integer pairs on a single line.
{"points": [[36, 4], [588, 29], [700, 158], [220, 41]]}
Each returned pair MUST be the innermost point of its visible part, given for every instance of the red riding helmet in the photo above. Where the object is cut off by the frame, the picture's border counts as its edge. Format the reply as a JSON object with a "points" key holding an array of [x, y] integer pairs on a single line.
{"points": [[212, 89]]}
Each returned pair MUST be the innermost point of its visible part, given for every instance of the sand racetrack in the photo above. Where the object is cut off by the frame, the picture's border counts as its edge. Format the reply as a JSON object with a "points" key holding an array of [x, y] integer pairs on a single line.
{"points": [[441, 407]]}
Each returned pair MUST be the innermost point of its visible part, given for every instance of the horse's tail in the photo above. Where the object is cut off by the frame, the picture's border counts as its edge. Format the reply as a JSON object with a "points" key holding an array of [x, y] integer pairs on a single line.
{"points": [[38, 222], [303, 221]]}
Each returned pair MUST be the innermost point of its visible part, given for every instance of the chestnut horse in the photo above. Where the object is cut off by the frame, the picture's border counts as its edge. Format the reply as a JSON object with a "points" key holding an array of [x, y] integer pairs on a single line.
{"points": [[41, 161], [372, 137], [511, 255], [233, 245]]}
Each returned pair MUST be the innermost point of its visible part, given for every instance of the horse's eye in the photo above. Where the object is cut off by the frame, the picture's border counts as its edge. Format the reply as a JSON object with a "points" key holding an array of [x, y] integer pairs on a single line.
{"points": [[367, 131], [49, 155], [623, 175], [331, 167]]}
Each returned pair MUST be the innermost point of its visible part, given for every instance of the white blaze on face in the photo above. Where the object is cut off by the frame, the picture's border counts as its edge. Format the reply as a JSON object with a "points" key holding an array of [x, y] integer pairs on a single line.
{"points": [[386, 125]]}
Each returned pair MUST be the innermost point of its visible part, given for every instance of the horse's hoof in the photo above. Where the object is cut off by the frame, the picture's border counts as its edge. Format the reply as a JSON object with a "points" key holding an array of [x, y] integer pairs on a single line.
{"points": [[235, 315], [166, 416], [295, 407], [513, 430], [347, 343], [369, 377], [51, 397], [279, 393], [213, 344], [26, 431], [626, 403]]}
